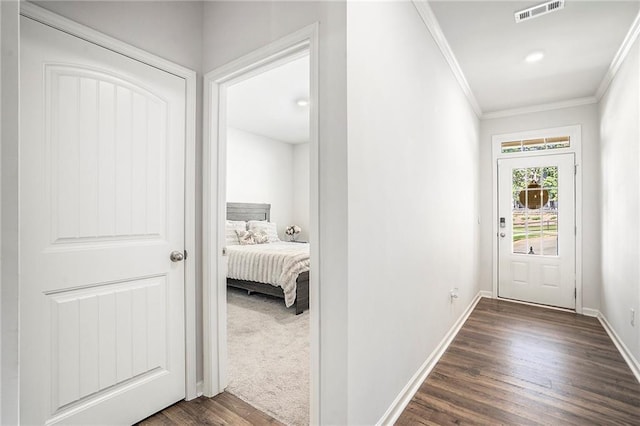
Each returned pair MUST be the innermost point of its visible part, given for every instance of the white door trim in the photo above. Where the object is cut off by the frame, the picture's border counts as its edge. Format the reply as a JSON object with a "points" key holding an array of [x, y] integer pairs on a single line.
{"points": [[56, 21], [575, 132], [214, 200], [9, 133]]}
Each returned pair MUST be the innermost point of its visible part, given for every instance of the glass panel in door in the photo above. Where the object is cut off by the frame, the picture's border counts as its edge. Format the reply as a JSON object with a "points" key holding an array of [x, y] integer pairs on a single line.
{"points": [[535, 211]]}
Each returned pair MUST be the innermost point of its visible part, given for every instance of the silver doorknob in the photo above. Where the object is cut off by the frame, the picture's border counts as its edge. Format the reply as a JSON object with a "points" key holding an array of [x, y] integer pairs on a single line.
{"points": [[176, 256], [502, 234]]}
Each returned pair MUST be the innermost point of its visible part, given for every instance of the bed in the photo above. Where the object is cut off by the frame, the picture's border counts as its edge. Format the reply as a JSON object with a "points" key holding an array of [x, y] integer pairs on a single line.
{"points": [[289, 252]]}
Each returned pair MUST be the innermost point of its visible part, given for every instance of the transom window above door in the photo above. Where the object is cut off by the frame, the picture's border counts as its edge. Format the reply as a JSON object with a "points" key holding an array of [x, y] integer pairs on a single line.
{"points": [[539, 144]]}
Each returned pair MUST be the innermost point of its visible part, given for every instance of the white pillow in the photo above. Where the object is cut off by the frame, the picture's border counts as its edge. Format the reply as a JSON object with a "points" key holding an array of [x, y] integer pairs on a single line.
{"points": [[230, 232], [269, 227]]}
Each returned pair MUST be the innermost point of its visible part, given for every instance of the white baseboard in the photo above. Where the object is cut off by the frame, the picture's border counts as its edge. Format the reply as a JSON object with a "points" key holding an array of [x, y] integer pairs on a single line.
{"points": [[404, 397], [199, 388], [632, 362], [410, 389], [486, 293], [588, 312]]}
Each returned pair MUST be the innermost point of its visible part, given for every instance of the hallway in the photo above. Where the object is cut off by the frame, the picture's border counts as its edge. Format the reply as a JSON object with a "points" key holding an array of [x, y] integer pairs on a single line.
{"points": [[519, 364]]}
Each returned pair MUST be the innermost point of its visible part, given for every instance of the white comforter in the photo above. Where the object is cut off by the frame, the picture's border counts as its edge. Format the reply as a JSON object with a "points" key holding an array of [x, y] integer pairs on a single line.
{"points": [[278, 264]]}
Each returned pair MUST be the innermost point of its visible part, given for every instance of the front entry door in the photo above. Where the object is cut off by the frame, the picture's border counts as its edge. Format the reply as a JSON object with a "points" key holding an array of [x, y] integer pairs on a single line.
{"points": [[101, 209], [536, 232]]}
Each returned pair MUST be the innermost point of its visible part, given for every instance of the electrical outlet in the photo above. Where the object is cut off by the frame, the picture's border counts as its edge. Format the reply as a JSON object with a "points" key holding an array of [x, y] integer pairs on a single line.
{"points": [[453, 294], [633, 317]]}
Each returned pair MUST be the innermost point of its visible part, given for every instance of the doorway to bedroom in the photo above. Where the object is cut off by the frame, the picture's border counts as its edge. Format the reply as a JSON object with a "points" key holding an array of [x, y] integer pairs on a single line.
{"points": [[267, 250]]}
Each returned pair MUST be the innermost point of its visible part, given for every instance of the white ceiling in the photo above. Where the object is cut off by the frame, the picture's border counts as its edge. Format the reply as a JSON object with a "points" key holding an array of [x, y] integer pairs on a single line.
{"points": [[266, 103], [579, 43]]}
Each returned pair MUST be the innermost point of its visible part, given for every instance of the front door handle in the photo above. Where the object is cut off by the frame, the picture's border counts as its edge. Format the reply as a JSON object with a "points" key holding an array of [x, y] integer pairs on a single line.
{"points": [[502, 235]]}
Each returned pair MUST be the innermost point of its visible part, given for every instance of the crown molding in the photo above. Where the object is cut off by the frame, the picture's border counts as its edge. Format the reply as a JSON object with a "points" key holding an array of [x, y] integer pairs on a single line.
{"points": [[429, 19], [539, 108], [619, 58]]}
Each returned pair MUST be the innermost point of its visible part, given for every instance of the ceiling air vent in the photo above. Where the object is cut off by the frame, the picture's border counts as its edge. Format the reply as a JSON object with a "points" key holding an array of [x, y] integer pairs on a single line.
{"points": [[539, 10]]}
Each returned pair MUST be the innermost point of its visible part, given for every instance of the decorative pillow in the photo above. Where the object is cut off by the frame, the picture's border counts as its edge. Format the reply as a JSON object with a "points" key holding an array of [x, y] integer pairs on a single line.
{"points": [[269, 227], [245, 238], [230, 231], [260, 236]]}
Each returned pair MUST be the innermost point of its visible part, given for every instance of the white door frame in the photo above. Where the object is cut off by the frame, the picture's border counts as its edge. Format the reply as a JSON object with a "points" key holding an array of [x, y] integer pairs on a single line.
{"points": [[51, 19], [575, 133], [9, 133], [214, 202]]}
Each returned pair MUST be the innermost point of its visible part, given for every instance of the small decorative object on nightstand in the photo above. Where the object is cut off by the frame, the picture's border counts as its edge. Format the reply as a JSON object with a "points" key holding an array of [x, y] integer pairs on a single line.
{"points": [[292, 231]]}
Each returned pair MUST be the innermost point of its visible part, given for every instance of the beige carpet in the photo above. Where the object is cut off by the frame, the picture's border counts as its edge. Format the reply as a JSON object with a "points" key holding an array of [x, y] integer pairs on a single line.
{"points": [[269, 356]]}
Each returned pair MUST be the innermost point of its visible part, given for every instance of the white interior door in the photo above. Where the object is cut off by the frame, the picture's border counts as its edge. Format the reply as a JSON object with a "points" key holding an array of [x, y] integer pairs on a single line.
{"points": [[101, 209], [536, 232]]}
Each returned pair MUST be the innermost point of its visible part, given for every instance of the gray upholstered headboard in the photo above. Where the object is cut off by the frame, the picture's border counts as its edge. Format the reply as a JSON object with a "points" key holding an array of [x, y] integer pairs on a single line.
{"points": [[248, 211]]}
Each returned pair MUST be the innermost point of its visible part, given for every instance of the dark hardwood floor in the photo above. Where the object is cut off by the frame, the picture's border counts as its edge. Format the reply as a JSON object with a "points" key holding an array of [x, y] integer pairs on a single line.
{"points": [[517, 364], [223, 409], [510, 364]]}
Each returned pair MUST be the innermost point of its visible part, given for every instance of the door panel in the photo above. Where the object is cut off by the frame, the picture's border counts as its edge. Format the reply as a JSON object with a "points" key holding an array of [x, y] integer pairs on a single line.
{"points": [[536, 234], [105, 336], [101, 209], [107, 157]]}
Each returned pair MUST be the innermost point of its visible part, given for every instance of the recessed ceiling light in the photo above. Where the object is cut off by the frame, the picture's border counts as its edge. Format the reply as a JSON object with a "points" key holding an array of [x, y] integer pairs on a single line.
{"points": [[302, 102], [534, 57]]}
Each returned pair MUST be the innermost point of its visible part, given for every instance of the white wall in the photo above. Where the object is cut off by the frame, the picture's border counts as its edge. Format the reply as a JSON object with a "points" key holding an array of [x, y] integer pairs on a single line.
{"points": [[413, 201], [587, 117], [233, 29], [9, 107], [301, 184], [169, 29], [619, 150], [260, 170], [1, 117]]}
